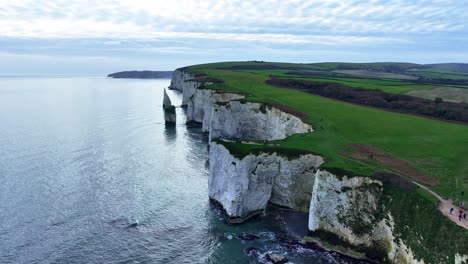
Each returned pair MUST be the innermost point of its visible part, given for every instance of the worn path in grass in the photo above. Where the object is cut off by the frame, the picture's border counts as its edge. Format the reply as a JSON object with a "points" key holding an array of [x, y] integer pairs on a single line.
{"points": [[444, 207]]}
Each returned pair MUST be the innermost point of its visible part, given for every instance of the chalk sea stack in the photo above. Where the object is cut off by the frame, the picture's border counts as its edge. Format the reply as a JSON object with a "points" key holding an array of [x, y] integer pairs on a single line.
{"points": [[169, 110]]}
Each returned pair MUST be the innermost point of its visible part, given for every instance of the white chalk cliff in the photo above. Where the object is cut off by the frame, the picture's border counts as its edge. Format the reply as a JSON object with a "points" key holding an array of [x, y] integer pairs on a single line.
{"points": [[254, 121], [348, 207], [201, 105], [244, 186], [223, 115], [183, 82]]}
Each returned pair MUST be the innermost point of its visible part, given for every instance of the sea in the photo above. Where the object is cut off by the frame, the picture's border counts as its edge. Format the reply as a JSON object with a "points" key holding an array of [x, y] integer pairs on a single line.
{"points": [[89, 173]]}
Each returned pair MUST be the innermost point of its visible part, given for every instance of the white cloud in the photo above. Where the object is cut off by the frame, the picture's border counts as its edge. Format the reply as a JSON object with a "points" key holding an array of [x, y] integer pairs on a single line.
{"points": [[61, 29], [223, 18], [188, 31]]}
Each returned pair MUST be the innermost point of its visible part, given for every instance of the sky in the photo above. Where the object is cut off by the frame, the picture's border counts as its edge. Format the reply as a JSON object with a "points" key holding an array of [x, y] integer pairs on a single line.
{"points": [[98, 37]]}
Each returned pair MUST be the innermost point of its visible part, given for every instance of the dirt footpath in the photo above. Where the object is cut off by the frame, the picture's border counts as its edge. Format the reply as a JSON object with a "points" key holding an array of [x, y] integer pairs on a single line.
{"points": [[444, 207]]}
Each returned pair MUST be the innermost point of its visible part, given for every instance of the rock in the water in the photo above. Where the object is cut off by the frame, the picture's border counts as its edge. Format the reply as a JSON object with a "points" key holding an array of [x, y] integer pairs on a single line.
{"points": [[276, 259], [133, 225], [251, 251], [166, 101], [170, 115], [248, 237], [169, 110]]}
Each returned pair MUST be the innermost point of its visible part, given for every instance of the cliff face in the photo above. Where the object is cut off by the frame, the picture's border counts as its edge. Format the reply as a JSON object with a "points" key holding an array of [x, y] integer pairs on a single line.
{"points": [[181, 81], [224, 116], [243, 187], [201, 105], [351, 208], [254, 121], [361, 213]]}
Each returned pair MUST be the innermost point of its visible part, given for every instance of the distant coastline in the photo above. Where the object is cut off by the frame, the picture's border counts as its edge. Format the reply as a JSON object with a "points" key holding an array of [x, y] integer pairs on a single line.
{"points": [[141, 75]]}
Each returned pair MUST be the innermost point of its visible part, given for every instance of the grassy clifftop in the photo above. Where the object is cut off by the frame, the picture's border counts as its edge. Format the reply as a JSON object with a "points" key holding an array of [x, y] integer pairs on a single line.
{"points": [[432, 152]]}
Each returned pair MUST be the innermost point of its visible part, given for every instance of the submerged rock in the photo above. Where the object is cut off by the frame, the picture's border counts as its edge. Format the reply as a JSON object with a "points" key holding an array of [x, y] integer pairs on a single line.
{"points": [[133, 225], [276, 259], [248, 237], [251, 251]]}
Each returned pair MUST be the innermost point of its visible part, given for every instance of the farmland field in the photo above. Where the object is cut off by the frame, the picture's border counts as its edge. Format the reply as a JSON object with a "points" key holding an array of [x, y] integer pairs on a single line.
{"points": [[450, 94]]}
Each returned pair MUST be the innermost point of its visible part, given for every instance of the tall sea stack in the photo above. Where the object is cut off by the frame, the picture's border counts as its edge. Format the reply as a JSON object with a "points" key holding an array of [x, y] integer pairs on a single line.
{"points": [[169, 110]]}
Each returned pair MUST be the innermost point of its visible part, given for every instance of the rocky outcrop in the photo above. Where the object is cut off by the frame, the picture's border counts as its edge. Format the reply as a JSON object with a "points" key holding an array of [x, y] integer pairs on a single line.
{"points": [[224, 115], [276, 258], [169, 110], [184, 82], [351, 208], [201, 105], [254, 121], [166, 100], [243, 187]]}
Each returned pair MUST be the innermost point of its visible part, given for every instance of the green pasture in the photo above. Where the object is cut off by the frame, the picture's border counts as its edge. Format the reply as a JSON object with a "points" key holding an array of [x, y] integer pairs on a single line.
{"points": [[438, 149]]}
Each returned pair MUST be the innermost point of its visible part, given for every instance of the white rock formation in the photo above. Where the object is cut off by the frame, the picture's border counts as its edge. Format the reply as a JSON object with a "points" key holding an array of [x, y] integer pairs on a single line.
{"points": [[244, 186], [254, 121], [166, 101], [224, 116], [169, 110], [350, 208], [200, 106], [183, 82]]}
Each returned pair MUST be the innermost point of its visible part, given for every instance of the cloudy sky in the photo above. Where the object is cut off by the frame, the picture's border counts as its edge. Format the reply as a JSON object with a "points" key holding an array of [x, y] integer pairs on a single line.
{"points": [[96, 37]]}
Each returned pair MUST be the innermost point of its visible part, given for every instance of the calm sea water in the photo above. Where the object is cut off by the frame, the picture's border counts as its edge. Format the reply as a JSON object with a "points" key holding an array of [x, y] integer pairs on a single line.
{"points": [[90, 174]]}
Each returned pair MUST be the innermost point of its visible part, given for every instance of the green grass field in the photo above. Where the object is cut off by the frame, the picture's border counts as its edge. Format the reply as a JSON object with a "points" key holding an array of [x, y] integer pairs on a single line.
{"points": [[389, 86], [386, 85], [436, 148], [440, 73]]}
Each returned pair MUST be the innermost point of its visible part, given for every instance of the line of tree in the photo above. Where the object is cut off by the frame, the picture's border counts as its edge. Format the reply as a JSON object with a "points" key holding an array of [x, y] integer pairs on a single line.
{"points": [[377, 98]]}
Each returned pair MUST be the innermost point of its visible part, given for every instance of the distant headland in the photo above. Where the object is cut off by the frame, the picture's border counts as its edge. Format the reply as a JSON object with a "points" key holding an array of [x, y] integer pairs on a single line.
{"points": [[141, 74]]}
